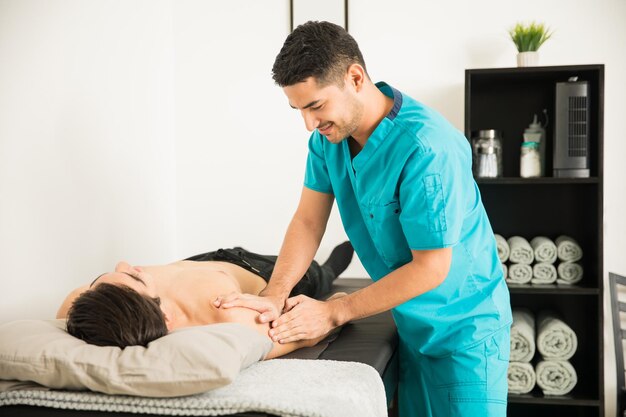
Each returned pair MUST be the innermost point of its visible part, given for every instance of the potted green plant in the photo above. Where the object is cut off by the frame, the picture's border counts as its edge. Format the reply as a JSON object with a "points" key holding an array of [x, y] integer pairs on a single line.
{"points": [[527, 40]]}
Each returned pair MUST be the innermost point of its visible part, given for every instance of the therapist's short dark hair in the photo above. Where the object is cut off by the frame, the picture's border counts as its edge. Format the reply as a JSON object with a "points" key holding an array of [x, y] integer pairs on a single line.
{"points": [[321, 50], [116, 315]]}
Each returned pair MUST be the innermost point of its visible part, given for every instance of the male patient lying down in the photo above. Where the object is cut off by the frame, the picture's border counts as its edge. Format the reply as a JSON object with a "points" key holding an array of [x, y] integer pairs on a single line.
{"points": [[135, 305]]}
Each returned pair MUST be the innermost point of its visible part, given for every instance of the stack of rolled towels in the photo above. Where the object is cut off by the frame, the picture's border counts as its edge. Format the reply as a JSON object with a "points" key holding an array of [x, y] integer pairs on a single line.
{"points": [[534, 262], [556, 343]]}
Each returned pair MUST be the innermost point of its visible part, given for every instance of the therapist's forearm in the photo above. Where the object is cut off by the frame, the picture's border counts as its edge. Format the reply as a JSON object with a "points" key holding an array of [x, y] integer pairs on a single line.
{"points": [[299, 247], [403, 284]]}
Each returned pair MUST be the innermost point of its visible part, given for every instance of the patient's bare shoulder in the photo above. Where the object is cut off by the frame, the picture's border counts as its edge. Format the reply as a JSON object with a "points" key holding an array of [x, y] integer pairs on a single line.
{"points": [[249, 317], [67, 303]]}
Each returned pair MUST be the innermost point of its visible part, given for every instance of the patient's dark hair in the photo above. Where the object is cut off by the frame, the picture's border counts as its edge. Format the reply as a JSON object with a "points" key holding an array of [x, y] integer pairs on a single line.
{"points": [[115, 315], [321, 50]]}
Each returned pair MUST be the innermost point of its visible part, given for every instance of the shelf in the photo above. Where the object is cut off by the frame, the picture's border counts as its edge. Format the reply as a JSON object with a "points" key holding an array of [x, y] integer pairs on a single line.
{"points": [[551, 289], [536, 181], [538, 398], [515, 72], [506, 99], [513, 288]]}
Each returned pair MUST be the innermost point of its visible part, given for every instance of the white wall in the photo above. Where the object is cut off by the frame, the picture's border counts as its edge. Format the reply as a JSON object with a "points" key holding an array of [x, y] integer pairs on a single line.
{"points": [[87, 168], [150, 130], [240, 148]]}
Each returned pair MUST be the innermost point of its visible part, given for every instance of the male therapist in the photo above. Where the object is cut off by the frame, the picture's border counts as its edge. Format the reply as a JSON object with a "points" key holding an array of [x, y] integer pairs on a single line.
{"points": [[402, 178]]}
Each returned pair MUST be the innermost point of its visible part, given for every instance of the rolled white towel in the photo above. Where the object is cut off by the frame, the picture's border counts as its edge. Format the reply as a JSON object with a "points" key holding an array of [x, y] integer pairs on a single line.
{"points": [[522, 336], [544, 273], [555, 339], [521, 377], [521, 251], [519, 274], [505, 269], [556, 377], [503, 248], [544, 249], [569, 273], [568, 249]]}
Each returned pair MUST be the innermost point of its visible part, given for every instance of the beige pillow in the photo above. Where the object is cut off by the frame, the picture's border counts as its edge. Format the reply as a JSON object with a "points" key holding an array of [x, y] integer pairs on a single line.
{"points": [[184, 362]]}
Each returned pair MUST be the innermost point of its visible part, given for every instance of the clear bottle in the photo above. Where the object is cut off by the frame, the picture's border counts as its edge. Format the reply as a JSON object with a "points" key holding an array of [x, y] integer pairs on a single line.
{"points": [[530, 160], [487, 154]]}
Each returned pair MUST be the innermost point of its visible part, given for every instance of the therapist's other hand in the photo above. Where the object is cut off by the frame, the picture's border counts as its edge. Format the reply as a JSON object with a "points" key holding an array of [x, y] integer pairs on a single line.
{"points": [[270, 307], [304, 318]]}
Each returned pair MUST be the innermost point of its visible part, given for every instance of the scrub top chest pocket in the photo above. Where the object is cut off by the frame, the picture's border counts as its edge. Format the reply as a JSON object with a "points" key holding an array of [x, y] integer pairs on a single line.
{"points": [[384, 225]]}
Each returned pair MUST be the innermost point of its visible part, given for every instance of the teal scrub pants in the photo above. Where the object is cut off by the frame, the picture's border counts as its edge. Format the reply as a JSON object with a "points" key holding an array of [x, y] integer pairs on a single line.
{"points": [[469, 382]]}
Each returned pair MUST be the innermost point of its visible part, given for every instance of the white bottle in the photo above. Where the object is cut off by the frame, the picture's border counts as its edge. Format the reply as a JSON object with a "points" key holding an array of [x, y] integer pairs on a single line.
{"points": [[530, 161], [536, 133]]}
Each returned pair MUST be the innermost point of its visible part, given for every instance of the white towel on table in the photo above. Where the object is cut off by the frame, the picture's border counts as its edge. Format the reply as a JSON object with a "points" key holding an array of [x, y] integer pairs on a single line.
{"points": [[503, 248], [544, 273], [521, 377], [544, 249], [521, 251], [505, 270], [555, 339], [519, 274], [568, 249], [556, 377], [522, 336], [569, 273], [282, 387]]}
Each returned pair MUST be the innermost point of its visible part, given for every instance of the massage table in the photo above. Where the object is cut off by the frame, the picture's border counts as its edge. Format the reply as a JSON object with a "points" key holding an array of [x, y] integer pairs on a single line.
{"points": [[372, 341]]}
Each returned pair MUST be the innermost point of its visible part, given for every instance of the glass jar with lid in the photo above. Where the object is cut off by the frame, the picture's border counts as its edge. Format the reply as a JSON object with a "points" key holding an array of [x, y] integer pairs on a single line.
{"points": [[487, 154]]}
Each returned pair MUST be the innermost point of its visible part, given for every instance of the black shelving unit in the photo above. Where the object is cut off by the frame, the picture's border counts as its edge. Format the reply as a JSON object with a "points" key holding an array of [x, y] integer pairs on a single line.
{"points": [[506, 99]]}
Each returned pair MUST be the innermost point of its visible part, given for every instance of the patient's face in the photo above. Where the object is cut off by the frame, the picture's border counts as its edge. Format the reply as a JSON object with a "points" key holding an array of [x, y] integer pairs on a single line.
{"points": [[125, 274]]}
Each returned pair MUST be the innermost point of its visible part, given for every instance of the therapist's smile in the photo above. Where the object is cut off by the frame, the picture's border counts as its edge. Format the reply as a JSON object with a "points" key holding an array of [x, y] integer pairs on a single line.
{"points": [[326, 128]]}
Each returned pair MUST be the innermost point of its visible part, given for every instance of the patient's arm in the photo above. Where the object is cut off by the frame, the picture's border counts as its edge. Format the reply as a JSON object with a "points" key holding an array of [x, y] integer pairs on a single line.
{"points": [[248, 317]]}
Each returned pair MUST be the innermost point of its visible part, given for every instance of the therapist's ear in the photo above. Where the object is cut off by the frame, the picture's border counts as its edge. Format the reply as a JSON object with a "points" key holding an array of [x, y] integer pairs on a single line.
{"points": [[356, 76]]}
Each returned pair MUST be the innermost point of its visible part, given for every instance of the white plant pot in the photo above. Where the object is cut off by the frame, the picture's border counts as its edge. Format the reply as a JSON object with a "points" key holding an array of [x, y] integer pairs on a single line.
{"points": [[528, 59]]}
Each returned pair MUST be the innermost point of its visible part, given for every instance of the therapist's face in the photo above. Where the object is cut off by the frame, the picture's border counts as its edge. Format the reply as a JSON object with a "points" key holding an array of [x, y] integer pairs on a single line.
{"points": [[335, 112]]}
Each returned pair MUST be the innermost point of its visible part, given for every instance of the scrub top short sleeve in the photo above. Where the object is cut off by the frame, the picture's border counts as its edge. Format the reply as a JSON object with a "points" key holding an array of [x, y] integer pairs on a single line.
{"points": [[433, 199], [316, 176]]}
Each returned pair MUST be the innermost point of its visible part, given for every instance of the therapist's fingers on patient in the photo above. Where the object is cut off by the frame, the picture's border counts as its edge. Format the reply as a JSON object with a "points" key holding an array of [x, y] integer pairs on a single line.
{"points": [[285, 322], [294, 301], [293, 314], [288, 331], [291, 337], [269, 316], [224, 298], [253, 302], [292, 334]]}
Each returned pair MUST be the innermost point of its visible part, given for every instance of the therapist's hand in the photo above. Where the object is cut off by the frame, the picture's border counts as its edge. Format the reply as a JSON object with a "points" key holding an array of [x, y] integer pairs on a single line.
{"points": [[270, 307], [304, 318]]}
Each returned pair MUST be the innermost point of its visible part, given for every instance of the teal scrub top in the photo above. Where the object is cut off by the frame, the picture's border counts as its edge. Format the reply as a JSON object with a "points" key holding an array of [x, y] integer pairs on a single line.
{"points": [[411, 187]]}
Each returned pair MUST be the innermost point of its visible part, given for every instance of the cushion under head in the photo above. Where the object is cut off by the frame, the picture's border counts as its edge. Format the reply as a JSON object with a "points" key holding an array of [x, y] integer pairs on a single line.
{"points": [[184, 362]]}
